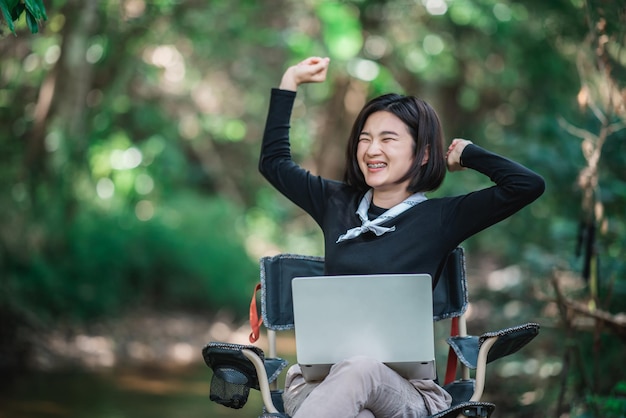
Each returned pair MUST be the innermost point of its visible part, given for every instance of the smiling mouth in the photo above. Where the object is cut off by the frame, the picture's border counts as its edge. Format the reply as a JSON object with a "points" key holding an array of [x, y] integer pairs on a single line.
{"points": [[377, 165]]}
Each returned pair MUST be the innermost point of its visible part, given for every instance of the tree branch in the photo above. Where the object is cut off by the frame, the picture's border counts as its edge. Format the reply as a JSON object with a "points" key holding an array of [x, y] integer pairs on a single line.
{"points": [[576, 131], [615, 322]]}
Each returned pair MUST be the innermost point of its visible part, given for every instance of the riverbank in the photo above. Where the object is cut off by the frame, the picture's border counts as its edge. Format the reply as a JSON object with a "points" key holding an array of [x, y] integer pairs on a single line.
{"points": [[172, 339], [143, 364]]}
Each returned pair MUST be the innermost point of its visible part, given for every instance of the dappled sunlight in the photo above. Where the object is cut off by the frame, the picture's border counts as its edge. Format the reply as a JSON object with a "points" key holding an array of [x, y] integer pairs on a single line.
{"points": [[189, 126], [206, 95], [53, 53], [133, 9], [171, 60], [258, 246], [504, 278], [144, 184], [240, 335], [90, 351], [513, 309], [121, 171], [140, 351], [529, 398], [53, 141], [479, 311], [157, 339], [182, 353], [365, 70], [502, 12], [433, 44], [220, 331], [376, 47], [550, 369], [95, 350], [95, 52], [125, 159], [435, 7], [144, 210], [416, 60], [105, 188]]}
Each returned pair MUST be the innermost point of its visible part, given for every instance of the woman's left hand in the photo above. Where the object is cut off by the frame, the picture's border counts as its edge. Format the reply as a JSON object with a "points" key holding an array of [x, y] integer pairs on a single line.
{"points": [[453, 156], [311, 70]]}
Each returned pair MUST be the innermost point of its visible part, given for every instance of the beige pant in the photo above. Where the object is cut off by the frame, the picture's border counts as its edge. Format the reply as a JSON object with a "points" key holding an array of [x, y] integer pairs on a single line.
{"points": [[364, 388]]}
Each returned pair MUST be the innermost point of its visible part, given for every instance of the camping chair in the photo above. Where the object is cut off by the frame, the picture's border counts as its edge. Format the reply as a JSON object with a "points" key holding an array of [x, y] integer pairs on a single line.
{"points": [[237, 368]]}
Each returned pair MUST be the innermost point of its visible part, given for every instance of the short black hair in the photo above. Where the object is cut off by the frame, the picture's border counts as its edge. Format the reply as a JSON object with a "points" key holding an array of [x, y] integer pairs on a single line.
{"points": [[424, 127]]}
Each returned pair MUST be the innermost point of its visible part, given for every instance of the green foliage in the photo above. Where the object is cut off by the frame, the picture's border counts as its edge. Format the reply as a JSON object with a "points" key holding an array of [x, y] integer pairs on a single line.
{"points": [[187, 256], [35, 12], [342, 29], [612, 406]]}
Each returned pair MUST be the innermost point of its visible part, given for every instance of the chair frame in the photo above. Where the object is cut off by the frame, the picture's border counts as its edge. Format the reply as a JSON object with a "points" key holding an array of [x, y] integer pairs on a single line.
{"points": [[466, 352]]}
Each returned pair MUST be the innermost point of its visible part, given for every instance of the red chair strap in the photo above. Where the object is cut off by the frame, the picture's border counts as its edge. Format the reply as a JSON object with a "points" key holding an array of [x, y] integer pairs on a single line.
{"points": [[255, 319], [452, 358]]}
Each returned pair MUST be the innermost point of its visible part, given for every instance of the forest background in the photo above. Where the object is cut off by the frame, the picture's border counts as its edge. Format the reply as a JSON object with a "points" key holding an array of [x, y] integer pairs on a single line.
{"points": [[130, 139]]}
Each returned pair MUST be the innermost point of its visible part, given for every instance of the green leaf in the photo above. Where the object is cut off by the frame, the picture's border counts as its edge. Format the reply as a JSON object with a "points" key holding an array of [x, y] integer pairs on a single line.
{"points": [[7, 7], [31, 21], [37, 9], [17, 11], [13, 9], [9, 4]]}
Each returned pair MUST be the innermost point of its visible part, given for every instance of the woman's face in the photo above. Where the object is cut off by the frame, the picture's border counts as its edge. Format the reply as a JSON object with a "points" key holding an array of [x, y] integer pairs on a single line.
{"points": [[385, 152]]}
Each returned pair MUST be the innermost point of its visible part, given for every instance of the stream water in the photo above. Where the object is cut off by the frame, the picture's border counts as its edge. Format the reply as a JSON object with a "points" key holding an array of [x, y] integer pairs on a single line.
{"points": [[128, 393]]}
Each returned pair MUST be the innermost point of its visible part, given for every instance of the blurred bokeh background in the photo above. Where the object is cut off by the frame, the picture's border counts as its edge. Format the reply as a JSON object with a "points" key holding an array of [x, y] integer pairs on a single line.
{"points": [[132, 214]]}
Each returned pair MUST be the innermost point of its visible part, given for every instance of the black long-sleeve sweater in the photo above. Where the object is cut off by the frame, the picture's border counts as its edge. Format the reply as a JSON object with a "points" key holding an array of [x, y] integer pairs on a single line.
{"points": [[424, 234]]}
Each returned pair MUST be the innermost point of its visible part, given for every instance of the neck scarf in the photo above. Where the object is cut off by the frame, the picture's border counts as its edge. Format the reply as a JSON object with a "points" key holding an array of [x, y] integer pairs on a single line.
{"points": [[374, 225]]}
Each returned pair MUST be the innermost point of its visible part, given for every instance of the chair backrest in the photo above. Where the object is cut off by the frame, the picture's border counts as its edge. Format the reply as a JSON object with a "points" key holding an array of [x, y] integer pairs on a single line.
{"points": [[449, 296]]}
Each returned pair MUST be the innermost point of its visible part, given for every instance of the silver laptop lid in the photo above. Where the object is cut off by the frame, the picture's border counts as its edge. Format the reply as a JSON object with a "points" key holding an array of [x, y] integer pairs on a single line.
{"points": [[386, 317]]}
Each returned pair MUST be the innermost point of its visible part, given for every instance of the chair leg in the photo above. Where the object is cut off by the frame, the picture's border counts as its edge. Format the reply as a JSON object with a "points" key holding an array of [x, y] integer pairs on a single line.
{"points": [[465, 371], [271, 339]]}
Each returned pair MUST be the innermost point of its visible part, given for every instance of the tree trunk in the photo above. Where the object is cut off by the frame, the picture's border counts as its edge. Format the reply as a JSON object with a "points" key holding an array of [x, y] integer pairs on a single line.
{"points": [[70, 84]]}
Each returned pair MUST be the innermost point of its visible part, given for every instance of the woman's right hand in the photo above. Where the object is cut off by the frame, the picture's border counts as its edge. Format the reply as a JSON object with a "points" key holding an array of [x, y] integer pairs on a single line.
{"points": [[311, 70], [453, 156]]}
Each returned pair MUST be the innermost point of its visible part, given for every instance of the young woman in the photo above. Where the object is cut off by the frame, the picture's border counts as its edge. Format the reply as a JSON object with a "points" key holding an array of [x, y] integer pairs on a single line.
{"points": [[378, 220]]}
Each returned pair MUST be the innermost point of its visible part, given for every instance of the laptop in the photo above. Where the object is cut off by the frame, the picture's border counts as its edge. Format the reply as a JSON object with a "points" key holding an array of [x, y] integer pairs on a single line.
{"points": [[387, 317]]}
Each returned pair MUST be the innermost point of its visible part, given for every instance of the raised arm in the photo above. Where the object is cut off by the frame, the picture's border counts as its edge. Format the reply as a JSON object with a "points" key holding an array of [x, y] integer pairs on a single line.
{"points": [[515, 187], [275, 163]]}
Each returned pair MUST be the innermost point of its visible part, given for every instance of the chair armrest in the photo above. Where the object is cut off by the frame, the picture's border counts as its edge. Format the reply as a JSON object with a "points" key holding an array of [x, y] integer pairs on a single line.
{"points": [[497, 344], [509, 341], [262, 379], [236, 369]]}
